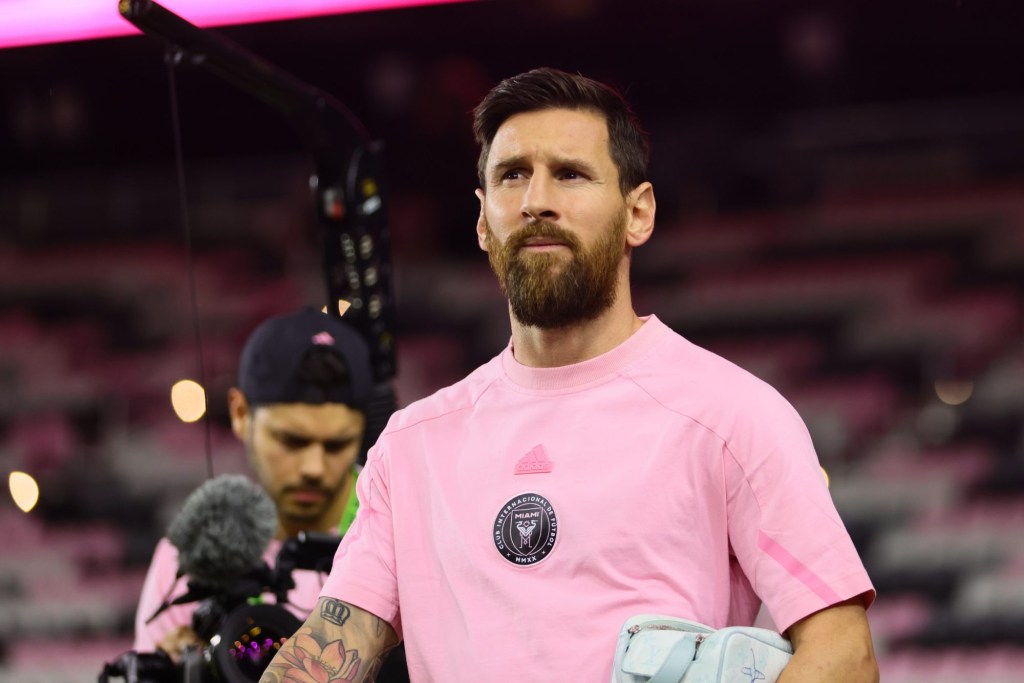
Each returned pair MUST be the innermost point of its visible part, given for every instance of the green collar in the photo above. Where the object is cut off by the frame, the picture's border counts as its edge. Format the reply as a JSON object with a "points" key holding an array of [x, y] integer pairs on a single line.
{"points": [[352, 506]]}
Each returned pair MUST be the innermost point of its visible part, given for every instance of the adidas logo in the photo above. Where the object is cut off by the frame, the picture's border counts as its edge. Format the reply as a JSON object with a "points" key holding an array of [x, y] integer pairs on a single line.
{"points": [[534, 462]]}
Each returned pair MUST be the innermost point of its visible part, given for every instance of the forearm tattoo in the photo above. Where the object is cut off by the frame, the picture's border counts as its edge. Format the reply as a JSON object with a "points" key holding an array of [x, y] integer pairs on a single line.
{"points": [[355, 654], [335, 612], [310, 657]]}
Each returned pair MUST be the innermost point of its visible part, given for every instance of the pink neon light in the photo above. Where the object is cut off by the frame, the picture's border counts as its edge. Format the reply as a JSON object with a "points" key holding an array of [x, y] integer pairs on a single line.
{"points": [[31, 22]]}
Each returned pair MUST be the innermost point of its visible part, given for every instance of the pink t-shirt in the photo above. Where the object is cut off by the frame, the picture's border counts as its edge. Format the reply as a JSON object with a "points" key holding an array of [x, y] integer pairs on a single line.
{"points": [[509, 524], [161, 582]]}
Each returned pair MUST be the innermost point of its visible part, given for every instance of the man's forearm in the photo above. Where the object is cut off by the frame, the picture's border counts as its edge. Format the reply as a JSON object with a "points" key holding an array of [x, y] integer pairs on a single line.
{"points": [[832, 645], [338, 642], [833, 667]]}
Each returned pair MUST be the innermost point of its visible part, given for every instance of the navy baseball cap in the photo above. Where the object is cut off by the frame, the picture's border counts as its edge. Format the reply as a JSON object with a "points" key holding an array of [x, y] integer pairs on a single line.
{"points": [[306, 357]]}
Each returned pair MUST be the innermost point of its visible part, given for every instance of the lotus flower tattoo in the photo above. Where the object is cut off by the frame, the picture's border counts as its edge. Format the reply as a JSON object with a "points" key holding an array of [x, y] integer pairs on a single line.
{"points": [[311, 663]]}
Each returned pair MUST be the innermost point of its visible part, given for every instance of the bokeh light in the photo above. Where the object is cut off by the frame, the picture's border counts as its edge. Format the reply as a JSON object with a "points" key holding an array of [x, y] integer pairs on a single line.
{"points": [[342, 307], [954, 392], [188, 398], [24, 490]]}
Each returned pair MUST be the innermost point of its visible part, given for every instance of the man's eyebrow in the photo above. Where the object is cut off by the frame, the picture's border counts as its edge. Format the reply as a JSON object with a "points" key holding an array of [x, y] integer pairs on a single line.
{"points": [[507, 163], [559, 162], [287, 434], [578, 164]]}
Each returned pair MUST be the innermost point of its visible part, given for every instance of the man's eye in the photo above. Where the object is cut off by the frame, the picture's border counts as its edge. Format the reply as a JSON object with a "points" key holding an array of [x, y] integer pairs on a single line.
{"points": [[510, 175], [337, 446], [293, 443], [569, 174]]}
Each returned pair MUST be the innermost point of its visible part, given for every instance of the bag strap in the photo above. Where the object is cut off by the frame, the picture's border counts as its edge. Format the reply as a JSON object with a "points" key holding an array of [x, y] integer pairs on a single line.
{"points": [[676, 662]]}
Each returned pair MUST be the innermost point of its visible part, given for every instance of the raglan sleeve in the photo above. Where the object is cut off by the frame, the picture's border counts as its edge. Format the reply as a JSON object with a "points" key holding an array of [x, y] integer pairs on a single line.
{"points": [[783, 526]]}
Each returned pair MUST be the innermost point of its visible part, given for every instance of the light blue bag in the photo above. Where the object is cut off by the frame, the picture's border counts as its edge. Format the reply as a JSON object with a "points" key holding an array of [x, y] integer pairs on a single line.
{"points": [[654, 648]]}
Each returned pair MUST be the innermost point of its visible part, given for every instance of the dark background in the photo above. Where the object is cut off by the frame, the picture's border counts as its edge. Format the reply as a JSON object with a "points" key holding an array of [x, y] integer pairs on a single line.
{"points": [[734, 68], [775, 128]]}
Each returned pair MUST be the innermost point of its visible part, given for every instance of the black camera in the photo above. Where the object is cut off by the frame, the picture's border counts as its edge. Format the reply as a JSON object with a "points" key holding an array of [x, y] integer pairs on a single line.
{"points": [[241, 638]]}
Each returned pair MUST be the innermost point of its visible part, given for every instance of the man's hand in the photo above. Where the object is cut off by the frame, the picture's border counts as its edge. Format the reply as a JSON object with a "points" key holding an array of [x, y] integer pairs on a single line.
{"points": [[338, 642], [175, 641], [832, 645]]}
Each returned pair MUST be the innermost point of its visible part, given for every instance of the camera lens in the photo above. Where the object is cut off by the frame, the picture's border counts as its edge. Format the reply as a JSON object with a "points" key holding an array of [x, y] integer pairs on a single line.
{"points": [[248, 639]]}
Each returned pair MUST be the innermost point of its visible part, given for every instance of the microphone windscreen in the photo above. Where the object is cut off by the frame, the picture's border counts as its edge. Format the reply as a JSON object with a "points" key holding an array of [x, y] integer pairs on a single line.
{"points": [[223, 529]]}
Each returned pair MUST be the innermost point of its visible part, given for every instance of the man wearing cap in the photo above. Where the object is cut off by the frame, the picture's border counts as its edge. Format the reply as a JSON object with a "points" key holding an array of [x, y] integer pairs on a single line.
{"points": [[300, 409]]}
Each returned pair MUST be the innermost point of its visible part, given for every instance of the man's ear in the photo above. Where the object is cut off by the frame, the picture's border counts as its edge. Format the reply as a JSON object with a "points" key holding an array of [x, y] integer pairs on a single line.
{"points": [[640, 222], [481, 222], [238, 409]]}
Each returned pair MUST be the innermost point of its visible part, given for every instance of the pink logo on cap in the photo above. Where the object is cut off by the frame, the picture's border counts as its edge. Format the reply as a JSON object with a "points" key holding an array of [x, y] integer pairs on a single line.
{"points": [[323, 338]]}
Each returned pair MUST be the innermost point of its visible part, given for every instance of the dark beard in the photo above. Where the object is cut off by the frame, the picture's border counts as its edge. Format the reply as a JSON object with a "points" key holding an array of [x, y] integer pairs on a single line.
{"points": [[550, 292]]}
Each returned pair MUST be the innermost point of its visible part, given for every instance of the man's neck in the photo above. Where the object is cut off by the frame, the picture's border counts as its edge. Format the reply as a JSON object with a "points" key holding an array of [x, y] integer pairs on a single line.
{"points": [[550, 348]]}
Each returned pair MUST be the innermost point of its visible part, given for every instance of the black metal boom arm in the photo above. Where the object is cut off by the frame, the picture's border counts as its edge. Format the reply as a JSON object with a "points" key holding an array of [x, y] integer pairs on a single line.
{"points": [[349, 185]]}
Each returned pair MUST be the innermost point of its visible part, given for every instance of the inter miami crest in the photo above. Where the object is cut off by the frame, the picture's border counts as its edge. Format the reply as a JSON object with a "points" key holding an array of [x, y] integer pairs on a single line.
{"points": [[525, 529]]}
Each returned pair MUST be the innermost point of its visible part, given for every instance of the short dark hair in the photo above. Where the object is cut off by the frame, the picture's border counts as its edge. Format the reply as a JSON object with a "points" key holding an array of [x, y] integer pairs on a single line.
{"points": [[548, 88]]}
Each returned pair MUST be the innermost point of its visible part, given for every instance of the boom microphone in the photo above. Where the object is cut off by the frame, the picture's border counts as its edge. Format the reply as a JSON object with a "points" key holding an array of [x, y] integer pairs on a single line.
{"points": [[222, 531]]}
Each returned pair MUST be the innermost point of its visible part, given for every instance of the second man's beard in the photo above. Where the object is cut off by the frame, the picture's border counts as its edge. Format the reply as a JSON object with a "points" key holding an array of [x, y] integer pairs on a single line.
{"points": [[548, 290]]}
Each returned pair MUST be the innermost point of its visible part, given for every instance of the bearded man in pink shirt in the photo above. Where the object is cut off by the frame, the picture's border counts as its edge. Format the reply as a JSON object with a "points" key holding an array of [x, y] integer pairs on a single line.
{"points": [[601, 466]]}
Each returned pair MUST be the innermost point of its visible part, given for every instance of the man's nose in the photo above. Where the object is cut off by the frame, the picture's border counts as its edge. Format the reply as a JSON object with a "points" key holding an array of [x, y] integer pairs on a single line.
{"points": [[539, 199], [312, 462]]}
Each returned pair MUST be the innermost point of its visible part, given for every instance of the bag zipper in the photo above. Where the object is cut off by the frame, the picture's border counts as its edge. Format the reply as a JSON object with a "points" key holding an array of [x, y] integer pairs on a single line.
{"points": [[636, 628]]}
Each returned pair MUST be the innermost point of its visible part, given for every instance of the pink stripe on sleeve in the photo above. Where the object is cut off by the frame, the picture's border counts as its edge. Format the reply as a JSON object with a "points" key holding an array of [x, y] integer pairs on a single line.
{"points": [[797, 568]]}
